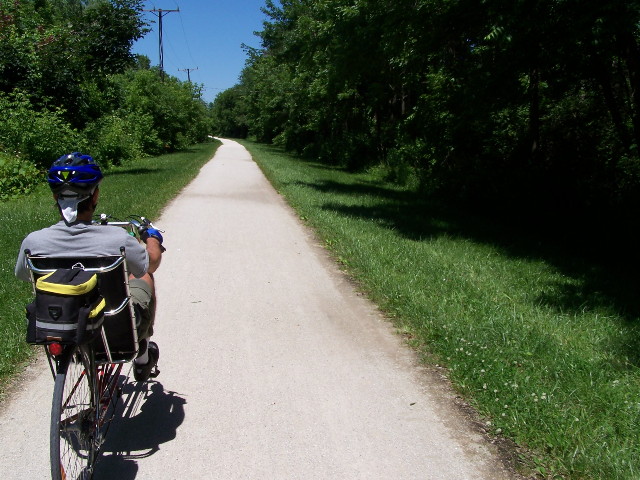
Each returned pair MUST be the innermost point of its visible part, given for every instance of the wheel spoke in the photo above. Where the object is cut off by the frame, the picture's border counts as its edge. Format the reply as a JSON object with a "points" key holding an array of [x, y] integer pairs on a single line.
{"points": [[73, 422], [84, 401]]}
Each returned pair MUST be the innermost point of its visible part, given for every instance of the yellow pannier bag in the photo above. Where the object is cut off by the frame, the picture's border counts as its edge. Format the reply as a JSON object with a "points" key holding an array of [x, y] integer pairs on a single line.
{"points": [[68, 308]]}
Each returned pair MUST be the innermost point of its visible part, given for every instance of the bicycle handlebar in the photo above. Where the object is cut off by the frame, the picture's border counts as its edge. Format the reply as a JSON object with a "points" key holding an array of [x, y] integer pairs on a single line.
{"points": [[134, 224]]}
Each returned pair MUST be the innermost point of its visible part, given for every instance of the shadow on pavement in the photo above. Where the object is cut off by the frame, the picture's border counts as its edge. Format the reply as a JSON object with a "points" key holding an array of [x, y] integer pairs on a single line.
{"points": [[149, 417]]}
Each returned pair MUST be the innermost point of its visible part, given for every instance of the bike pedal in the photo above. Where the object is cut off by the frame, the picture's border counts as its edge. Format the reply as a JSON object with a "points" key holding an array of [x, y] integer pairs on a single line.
{"points": [[154, 373]]}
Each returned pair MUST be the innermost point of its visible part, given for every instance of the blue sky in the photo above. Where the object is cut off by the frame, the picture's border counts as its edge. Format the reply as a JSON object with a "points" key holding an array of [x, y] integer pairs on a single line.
{"points": [[205, 34]]}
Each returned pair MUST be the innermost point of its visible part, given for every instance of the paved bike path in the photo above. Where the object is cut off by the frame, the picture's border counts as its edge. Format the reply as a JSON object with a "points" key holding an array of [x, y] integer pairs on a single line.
{"points": [[272, 366]]}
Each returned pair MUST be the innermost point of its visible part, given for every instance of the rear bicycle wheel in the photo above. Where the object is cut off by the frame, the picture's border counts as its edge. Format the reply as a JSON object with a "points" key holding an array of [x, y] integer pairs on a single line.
{"points": [[73, 417]]}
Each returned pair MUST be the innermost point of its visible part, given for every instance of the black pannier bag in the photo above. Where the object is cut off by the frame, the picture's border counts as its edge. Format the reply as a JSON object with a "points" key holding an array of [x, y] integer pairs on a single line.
{"points": [[68, 308]]}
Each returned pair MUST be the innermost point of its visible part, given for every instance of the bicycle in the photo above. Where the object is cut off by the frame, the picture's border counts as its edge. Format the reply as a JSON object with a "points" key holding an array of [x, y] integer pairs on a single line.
{"points": [[87, 376]]}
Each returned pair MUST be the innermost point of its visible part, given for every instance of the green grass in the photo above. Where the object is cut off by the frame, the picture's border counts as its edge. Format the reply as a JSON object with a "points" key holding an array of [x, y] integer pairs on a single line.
{"points": [[543, 343], [143, 187]]}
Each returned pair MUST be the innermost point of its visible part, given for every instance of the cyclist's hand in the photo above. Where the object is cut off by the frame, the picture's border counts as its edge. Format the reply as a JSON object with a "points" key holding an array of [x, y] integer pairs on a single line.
{"points": [[146, 232]]}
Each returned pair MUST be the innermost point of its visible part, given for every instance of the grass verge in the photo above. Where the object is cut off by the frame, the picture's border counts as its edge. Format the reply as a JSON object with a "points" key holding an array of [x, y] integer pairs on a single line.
{"points": [[544, 344], [143, 187]]}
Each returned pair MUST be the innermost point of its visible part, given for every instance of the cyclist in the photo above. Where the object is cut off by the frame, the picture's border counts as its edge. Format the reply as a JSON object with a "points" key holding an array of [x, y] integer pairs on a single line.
{"points": [[74, 180]]}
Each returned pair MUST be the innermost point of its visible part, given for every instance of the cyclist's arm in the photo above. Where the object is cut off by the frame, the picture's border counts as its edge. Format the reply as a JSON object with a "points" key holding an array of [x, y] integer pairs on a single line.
{"points": [[21, 270], [33, 243], [155, 254]]}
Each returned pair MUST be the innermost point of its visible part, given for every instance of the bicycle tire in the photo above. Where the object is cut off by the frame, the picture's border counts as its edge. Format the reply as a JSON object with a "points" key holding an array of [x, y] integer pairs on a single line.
{"points": [[73, 448]]}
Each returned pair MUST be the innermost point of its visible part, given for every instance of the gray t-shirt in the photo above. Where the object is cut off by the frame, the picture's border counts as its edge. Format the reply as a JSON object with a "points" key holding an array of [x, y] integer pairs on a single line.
{"points": [[83, 240]]}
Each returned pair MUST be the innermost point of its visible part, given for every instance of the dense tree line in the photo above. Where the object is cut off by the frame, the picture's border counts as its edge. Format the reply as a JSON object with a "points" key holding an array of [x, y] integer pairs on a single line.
{"points": [[68, 81], [536, 102]]}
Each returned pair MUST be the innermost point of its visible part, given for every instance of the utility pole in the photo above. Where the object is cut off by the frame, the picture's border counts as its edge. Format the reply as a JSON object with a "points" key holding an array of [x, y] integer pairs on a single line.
{"points": [[188, 70], [159, 12]]}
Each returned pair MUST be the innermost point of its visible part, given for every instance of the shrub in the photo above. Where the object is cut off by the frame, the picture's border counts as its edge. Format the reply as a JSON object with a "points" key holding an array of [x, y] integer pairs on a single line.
{"points": [[37, 136], [113, 140], [177, 117], [17, 176], [142, 125]]}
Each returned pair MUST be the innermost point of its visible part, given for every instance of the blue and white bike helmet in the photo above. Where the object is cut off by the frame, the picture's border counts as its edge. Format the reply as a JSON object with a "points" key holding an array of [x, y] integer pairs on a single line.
{"points": [[74, 172], [74, 178]]}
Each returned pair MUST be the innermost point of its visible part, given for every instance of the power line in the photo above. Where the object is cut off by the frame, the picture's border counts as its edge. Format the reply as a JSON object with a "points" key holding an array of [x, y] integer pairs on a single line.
{"points": [[184, 33]]}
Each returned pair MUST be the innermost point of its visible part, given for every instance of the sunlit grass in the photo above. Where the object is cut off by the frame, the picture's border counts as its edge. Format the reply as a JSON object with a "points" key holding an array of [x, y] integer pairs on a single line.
{"points": [[545, 345], [143, 187]]}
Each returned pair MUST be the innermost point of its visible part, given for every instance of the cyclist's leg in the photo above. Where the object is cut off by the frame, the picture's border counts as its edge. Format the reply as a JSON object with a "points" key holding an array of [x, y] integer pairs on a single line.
{"points": [[144, 301], [145, 366]]}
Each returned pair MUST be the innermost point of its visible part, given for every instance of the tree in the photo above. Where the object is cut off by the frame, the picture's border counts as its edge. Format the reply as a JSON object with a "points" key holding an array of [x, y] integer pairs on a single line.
{"points": [[496, 100], [227, 116], [49, 48]]}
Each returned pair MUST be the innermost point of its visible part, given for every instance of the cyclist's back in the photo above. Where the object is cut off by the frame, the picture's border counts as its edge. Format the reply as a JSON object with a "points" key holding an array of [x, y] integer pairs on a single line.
{"points": [[74, 180], [83, 239]]}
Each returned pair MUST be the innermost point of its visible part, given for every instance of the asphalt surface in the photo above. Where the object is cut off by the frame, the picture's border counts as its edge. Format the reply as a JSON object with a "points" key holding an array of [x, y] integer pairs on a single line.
{"points": [[272, 366]]}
